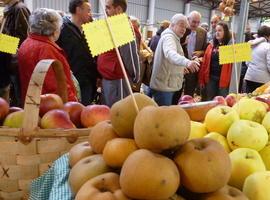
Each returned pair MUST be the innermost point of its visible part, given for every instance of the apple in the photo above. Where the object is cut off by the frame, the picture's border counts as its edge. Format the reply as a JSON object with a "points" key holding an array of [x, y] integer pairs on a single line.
{"points": [[251, 109], [56, 119], [247, 134], [183, 102], [93, 114], [219, 138], [221, 100], [197, 130], [220, 118], [49, 102], [4, 108], [245, 161], [265, 100], [74, 110], [266, 122], [265, 154], [14, 120], [86, 169], [256, 186], [186, 98], [203, 159], [14, 109], [78, 152], [231, 99]]}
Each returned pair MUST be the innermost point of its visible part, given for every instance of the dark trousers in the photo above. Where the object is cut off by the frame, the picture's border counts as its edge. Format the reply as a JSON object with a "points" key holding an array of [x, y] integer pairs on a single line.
{"points": [[191, 83], [88, 92], [251, 86]]}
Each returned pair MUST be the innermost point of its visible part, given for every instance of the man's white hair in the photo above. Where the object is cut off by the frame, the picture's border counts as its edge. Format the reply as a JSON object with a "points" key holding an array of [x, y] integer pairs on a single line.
{"points": [[177, 18], [194, 13]]}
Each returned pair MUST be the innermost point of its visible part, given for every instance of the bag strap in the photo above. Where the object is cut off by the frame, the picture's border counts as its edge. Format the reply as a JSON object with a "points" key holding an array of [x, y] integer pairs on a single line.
{"points": [[3, 24]]}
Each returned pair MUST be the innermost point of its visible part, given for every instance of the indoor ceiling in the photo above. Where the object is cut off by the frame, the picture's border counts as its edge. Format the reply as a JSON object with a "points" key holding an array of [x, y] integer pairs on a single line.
{"points": [[257, 8]]}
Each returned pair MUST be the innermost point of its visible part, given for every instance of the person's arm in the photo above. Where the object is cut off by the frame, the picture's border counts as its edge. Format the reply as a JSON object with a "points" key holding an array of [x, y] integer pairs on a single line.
{"points": [[21, 24], [268, 58]]}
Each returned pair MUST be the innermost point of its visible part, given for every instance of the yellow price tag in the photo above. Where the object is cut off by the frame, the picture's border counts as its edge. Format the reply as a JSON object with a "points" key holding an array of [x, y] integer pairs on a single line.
{"points": [[242, 53], [99, 38], [9, 44]]}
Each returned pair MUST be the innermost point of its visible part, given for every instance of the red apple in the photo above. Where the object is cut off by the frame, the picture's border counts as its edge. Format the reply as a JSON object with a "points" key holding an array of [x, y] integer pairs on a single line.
{"points": [[183, 102], [14, 109], [4, 108], [221, 100], [186, 98], [265, 100], [74, 110], [93, 114], [231, 99], [56, 119], [49, 102]]}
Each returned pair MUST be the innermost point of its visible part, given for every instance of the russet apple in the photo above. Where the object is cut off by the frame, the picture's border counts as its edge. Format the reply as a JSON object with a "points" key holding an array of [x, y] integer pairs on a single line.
{"points": [[4, 108], [197, 130], [247, 134], [78, 152], [14, 120], [221, 100], [49, 102], [251, 109], [147, 175], [219, 138], [161, 128], [102, 187], [93, 114], [256, 186], [86, 169], [203, 159], [56, 119], [74, 110], [245, 161], [220, 118], [265, 154]]}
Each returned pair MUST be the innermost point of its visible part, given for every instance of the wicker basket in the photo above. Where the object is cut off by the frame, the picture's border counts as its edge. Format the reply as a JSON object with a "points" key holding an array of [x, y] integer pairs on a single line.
{"points": [[25, 153]]}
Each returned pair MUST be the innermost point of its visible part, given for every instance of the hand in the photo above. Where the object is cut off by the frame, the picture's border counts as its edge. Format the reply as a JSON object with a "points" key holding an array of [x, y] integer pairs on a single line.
{"points": [[193, 66], [186, 70]]}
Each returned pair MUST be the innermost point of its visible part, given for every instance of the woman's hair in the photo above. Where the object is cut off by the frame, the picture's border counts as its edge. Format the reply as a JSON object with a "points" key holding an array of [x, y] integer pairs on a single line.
{"points": [[44, 21], [264, 31], [227, 34]]}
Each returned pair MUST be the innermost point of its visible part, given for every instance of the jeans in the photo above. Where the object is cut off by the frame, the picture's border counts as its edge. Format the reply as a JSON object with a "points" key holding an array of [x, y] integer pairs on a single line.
{"points": [[162, 98]]}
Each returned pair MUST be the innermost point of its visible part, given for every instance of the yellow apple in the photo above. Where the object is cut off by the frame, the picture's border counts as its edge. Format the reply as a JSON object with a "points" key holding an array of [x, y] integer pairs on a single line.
{"points": [[219, 138], [220, 118], [265, 154], [244, 162], [266, 122], [197, 130], [251, 109], [257, 186], [247, 134]]}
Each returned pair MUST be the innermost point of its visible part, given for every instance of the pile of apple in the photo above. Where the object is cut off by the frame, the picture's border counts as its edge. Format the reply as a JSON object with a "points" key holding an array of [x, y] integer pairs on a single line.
{"points": [[54, 114], [150, 155]]}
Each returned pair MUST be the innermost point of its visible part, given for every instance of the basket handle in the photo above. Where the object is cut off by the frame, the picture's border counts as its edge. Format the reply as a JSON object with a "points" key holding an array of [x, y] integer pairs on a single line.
{"points": [[32, 99]]}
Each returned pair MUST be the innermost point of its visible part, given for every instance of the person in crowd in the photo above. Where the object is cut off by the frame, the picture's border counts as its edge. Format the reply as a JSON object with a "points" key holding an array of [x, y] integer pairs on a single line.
{"points": [[205, 26], [72, 40], [213, 77], [15, 21], [114, 86], [214, 21], [45, 27], [194, 44], [170, 63], [258, 71]]}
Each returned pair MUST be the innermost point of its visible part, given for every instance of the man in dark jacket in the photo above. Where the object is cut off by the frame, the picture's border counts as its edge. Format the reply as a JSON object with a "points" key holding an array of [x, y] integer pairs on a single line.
{"points": [[72, 40], [15, 21]]}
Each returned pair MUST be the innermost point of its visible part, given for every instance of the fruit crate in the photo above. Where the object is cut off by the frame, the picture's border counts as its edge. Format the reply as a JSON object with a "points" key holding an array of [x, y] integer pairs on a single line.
{"points": [[27, 152]]}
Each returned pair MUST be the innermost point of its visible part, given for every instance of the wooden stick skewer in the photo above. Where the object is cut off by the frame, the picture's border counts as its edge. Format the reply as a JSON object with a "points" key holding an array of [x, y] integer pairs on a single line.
{"points": [[119, 58]]}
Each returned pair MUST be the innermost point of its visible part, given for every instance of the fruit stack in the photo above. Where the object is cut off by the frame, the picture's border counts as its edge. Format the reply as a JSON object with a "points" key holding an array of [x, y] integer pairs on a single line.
{"points": [[159, 154]]}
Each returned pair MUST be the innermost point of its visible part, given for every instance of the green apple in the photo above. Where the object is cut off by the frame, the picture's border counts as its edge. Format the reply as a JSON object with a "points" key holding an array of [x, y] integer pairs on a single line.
{"points": [[220, 118], [266, 122], [257, 186], [244, 161], [197, 130], [265, 154], [14, 120], [219, 138], [251, 109], [247, 134]]}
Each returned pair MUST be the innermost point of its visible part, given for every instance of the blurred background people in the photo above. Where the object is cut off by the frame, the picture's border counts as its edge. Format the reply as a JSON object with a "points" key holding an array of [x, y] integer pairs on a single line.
{"points": [[211, 34], [205, 26], [45, 27]]}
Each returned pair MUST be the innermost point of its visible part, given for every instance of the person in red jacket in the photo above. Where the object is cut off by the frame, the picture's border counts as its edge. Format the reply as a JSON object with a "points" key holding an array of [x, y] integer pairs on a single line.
{"points": [[40, 44], [213, 77]]}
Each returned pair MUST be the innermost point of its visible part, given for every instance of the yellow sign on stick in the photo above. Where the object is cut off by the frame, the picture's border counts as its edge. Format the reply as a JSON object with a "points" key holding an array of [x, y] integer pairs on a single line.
{"points": [[242, 53], [9, 44], [99, 38]]}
